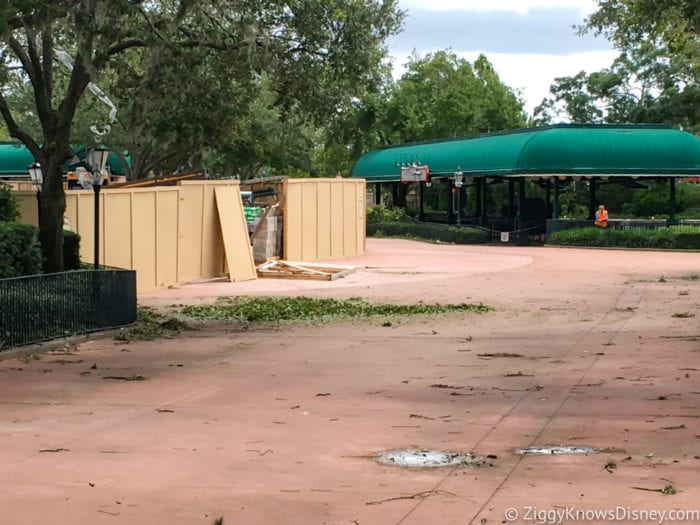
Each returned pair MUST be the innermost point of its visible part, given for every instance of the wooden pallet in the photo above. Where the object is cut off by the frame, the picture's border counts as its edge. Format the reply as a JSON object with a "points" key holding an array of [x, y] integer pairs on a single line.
{"points": [[303, 270]]}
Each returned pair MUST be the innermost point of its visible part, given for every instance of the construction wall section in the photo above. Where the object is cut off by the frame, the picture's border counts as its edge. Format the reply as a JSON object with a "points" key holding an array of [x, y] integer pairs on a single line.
{"points": [[323, 218], [172, 234], [169, 235]]}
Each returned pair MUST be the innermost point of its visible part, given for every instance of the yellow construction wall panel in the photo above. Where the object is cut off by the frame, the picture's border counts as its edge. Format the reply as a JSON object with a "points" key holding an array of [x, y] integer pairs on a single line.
{"points": [[349, 223], [83, 222], [361, 229], [336, 221], [293, 221], [167, 202], [70, 213], [213, 258], [239, 254], [323, 220], [143, 234], [309, 236], [116, 243], [190, 232], [27, 205]]}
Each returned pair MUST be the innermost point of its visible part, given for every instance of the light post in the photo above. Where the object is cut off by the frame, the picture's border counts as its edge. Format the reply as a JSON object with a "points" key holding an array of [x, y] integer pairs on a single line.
{"points": [[459, 182], [96, 161], [37, 178]]}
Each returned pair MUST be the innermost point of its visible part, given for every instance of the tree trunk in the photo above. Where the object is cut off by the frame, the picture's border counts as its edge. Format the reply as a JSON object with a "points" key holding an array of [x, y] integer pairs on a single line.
{"points": [[53, 204]]}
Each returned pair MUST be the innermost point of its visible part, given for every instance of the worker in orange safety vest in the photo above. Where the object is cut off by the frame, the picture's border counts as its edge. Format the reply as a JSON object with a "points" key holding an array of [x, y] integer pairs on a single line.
{"points": [[601, 217]]}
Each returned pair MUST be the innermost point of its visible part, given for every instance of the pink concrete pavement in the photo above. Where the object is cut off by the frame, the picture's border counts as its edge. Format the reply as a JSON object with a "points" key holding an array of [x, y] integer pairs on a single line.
{"points": [[231, 423]]}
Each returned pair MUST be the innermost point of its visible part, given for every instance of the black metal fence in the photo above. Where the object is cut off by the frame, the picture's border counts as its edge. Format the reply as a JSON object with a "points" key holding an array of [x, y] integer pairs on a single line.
{"points": [[42, 307]]}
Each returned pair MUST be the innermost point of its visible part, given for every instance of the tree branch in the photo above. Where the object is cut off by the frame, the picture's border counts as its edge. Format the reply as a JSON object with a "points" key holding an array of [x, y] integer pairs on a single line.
{"points": [[47, 60], [123, 46], [16, 131], [18, 50], [42, 91], [79, 80]]}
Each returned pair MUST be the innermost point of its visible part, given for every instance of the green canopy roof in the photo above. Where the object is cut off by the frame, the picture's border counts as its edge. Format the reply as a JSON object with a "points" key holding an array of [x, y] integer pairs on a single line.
{"points": [[14, 159], [562, 149]]}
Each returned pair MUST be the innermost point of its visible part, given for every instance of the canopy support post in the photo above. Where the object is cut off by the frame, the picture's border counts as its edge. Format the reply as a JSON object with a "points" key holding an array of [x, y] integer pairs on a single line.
{"points": [[458, 196], [555, 206], [592, 205], [482, 216], [450, 202], [521, 236], [377, 193], [477, 197], [672, 202], [421, 194], [511, 199]]}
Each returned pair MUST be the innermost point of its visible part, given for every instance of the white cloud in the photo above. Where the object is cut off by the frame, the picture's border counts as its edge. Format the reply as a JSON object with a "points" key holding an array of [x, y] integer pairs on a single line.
{"points": [[532, 74], [519, 6]]}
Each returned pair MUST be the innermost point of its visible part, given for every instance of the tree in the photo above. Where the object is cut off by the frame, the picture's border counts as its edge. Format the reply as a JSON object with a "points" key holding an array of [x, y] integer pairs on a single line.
{"points": [[673, 24], [315, 53], [655, 77], [442, 95]]}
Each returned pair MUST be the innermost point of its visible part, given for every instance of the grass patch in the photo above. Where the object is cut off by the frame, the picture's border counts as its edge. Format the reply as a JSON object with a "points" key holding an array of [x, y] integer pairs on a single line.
{"points": [[151, 325], [275, 309]]}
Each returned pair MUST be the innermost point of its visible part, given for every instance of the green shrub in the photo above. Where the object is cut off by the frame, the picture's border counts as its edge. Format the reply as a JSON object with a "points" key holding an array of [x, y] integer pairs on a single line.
{"points": [[384, 214], [469, 236], [687, 239], [428, 231], [674, 237], [71, 250], [20, 250], [8, 204]]}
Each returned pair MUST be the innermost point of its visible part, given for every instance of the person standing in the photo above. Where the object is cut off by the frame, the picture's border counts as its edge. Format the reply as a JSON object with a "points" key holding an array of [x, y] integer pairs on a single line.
{"points": [[601, 217]]}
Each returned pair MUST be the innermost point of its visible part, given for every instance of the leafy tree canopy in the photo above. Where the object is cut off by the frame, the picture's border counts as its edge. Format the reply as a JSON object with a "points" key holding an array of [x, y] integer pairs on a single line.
{"points": [[653, 80], [441, 95]]}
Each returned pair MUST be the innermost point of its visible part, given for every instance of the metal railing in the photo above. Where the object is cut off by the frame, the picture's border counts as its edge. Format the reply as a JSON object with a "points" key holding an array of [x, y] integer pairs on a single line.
{"points": [[49, 306]]}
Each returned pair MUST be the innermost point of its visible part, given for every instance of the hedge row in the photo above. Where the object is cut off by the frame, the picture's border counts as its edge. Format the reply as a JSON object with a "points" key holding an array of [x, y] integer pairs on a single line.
{"points": [[674, 237], [20, 250], [427, 231], [383, 214]]}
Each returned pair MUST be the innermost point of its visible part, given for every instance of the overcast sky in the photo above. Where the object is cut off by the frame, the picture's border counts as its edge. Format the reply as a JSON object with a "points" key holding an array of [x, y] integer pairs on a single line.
{"points": [[529, 42]]}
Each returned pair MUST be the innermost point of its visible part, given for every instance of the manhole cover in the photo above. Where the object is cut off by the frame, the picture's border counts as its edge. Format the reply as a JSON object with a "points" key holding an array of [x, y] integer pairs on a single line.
{"points": [[547, 451], [429, 458]]}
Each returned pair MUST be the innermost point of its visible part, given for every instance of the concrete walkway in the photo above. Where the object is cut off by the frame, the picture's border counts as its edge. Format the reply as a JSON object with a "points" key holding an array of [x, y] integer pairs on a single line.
{"points": [[586, 347]]}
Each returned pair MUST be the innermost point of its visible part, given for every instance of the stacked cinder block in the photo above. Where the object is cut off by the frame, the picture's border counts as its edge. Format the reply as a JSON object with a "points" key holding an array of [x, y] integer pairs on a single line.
{"points": [[267, 244]]}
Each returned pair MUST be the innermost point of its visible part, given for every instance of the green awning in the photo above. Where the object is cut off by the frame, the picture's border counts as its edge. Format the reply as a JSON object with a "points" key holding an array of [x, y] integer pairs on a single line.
{"points": [[563, 149], [14, 159]]}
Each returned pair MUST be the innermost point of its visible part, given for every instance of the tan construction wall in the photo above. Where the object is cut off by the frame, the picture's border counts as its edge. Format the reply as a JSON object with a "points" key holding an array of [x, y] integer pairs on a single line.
{"points": [[169, 235], [323, 218], [172, 235]]}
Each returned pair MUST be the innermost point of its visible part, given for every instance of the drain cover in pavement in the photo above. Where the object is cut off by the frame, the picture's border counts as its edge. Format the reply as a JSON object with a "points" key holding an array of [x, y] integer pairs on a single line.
{"points": [[547, 451], [429, 458]]}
